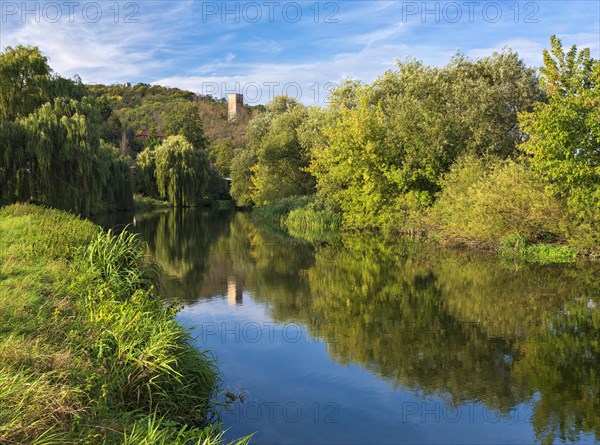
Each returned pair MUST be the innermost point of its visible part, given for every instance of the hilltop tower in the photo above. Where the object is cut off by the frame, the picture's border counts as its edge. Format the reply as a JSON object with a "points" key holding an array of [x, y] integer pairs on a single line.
{"points": [[235, 102]]}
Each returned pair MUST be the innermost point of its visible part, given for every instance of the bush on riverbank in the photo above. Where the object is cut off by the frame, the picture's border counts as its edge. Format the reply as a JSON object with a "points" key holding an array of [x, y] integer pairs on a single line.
{"points": [[146, 204], [88, 353], [483, 202]]}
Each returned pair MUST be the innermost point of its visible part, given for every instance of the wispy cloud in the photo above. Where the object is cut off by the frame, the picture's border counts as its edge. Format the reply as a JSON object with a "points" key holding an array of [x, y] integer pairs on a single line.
{"points": [[308, 82]]}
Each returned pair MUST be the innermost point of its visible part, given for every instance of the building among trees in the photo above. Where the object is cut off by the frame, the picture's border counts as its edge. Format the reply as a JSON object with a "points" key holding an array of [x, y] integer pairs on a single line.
{"points": [[235, 102]]}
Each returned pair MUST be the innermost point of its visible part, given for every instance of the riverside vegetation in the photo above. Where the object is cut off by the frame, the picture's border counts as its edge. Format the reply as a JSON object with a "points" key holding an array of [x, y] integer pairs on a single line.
{"points": [[480, 152], [88, 353]]}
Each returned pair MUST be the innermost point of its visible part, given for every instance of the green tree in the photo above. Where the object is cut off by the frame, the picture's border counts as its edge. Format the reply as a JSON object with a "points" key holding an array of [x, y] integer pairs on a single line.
{"points": [[241, 176], [564, 136], [282, 160], [274, 164], [146, 172], [117, 190], [222, 154], [54, 156], [64, 164], [50, 147], [183, 119], [390, 142], [181, 171], [24, 81]]}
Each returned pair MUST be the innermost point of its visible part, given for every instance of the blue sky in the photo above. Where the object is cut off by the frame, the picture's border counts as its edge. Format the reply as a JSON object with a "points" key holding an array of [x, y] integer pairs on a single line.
{"points": [[269, 47]]}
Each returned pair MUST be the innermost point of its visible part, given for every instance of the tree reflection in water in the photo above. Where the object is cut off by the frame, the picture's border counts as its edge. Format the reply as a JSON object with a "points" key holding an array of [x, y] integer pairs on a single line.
{"points": [[458, 325]]}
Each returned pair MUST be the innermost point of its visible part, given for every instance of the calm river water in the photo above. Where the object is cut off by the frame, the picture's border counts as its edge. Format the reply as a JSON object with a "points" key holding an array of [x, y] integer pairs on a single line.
{"points": [[382, 341]]}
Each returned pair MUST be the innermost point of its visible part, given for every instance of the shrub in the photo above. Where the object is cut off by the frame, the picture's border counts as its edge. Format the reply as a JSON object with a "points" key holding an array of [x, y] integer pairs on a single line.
{"points": [[484, 201]]}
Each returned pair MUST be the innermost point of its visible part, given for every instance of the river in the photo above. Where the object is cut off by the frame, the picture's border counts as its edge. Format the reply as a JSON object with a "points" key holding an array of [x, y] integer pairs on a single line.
{"points": [[385, 341]]}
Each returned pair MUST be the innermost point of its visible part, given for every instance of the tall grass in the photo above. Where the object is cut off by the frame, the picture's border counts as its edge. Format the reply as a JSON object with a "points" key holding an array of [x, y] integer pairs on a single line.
{"points": [[300, 217], [273, 214], [121, 260], [88, 353], [517, 248], [147, 204], [313, 224]]}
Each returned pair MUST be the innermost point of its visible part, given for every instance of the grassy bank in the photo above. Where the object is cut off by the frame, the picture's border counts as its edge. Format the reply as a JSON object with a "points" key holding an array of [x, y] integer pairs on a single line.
{"points": [[87, 353]]}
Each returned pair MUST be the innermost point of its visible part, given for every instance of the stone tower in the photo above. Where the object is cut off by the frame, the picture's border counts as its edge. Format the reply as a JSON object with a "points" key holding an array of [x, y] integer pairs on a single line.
{"points": [[235, 102]]}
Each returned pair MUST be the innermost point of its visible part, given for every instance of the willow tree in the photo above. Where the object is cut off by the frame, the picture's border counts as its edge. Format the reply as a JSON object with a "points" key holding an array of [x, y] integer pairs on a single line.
{"points": [[14, 173], [25, 79], [146, 172], [181, 171], [117, 191], [63, 144], [50, 147]]}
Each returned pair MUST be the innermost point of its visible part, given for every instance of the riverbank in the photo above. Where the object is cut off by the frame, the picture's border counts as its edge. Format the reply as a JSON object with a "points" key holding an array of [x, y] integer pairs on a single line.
{"points": [[302, 218], [146, 204], [88, 354]]}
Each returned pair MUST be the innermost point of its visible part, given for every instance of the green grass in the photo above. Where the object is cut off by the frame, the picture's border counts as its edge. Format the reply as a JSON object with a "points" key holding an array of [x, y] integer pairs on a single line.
{"points": [[312, 224], [88, 354], [274, 213], [516, 247]]}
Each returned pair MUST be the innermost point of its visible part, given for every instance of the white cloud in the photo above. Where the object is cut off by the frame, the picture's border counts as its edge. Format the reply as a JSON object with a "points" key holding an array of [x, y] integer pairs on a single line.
{"points": [[109, 49], [308, 82], [529, 50], [171, 45]]}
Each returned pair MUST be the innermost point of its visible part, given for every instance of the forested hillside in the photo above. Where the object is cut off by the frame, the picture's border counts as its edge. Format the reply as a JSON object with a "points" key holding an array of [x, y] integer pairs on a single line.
{"points": [[149, 108], [74, 146]]}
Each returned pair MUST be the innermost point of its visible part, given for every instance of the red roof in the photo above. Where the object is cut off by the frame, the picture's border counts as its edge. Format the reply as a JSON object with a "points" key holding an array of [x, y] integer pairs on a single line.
{"points": [[147, 133]]}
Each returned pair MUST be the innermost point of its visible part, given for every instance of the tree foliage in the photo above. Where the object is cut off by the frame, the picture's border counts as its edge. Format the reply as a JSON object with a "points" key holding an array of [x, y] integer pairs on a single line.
{"points": [[50, 147], [24, 81], [242, 188], [480, 203], [146, 173], [183, 119], [563, 142], [391, 141], [274, 163], [181, 171]]}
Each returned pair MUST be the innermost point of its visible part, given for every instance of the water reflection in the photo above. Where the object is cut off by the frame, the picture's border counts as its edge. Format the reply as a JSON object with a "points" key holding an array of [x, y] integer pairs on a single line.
{"points": [[456, 326]]}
